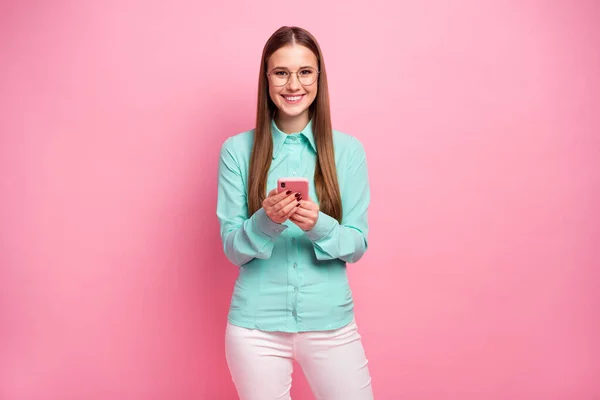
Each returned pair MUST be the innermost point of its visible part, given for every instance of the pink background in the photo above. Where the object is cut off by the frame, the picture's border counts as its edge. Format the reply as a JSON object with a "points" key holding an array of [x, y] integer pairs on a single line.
{"points": [[481, 124]]}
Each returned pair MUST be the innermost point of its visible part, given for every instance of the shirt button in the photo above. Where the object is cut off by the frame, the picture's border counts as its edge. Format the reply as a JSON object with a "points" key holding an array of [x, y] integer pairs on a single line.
{"points": [[293, 240], [295, 265], [294, 313], [294, 173], [295, 289]]}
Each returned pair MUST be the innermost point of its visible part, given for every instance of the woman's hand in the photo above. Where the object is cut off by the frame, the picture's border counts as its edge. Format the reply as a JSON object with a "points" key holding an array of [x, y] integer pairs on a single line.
{"points": [[281, 206], [306, 215]]}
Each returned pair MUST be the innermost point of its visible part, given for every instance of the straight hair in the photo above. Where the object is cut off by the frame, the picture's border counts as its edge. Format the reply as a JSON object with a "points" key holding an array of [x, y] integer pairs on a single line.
{"points": [[325, 176]]}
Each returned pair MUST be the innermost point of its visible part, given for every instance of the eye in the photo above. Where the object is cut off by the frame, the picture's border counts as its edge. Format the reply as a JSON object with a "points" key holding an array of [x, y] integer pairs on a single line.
{"points": [[306, 72], [280, 73]]}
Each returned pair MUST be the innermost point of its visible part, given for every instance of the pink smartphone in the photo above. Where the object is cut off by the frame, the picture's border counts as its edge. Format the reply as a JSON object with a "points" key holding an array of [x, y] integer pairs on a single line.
{"points": [[294, 184]]}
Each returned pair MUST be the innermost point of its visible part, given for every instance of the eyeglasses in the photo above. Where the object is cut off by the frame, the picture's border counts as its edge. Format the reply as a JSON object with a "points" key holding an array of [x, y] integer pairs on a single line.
{"points": [[281, 76]]}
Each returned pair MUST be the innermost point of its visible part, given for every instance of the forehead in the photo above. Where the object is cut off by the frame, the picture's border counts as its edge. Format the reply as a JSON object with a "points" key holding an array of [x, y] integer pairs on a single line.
{"points": [[292, 57]]}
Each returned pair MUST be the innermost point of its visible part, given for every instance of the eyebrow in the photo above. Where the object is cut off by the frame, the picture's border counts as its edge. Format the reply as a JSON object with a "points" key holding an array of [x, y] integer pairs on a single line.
{"points": [[305, 66]]}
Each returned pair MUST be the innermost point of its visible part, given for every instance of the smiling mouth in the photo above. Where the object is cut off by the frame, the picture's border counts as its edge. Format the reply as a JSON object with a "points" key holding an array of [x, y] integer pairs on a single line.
{"points": [[293, 99]]}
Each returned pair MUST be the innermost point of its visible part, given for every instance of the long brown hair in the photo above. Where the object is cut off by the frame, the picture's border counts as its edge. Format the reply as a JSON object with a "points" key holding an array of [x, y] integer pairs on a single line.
{"points": [[325, 178]]}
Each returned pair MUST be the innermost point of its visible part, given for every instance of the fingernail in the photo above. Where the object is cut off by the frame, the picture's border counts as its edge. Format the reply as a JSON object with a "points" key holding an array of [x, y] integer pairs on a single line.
{"points": [[299, 198], [298, 205], [288, 192], [297, 194]]}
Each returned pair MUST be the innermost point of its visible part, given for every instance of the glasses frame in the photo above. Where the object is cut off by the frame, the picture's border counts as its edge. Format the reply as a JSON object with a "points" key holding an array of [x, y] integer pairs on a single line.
{"points": [[290, 75]]}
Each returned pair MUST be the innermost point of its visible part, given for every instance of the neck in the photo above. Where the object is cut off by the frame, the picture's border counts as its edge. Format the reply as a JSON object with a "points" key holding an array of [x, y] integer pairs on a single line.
{"points": [[292, 124]]}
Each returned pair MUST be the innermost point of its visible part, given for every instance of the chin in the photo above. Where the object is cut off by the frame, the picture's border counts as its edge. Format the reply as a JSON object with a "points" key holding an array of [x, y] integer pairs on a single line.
{"points": [[284, 109], [293, 113]]}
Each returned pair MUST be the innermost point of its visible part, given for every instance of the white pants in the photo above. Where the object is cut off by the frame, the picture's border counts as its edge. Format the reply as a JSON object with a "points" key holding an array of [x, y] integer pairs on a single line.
{"points": [[333, 362]]}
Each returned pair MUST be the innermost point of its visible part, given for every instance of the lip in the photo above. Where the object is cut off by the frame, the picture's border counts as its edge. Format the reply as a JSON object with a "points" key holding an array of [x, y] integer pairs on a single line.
{"points": [[293, 95]]}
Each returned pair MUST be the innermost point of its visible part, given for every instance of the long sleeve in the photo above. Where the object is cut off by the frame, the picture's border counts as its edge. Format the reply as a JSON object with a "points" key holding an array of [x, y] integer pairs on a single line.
{"points": [[347, 241], [243, 238]]}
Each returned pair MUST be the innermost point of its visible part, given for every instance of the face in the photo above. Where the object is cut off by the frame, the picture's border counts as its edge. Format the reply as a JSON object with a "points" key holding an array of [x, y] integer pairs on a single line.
{"points": [[294, 98]]}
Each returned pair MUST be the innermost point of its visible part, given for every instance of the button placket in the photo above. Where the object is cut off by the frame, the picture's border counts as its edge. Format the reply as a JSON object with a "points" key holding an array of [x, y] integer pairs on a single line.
{"points": [[294, 282], [293, 169], [295, 159]]}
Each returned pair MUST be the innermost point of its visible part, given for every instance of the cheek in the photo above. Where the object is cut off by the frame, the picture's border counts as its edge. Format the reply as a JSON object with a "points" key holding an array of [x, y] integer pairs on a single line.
{"points": [[273, 94], [313, 95]]}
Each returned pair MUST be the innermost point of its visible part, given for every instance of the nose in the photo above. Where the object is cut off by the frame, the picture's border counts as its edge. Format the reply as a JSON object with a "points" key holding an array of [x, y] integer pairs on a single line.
{"points": [[293, 83]]}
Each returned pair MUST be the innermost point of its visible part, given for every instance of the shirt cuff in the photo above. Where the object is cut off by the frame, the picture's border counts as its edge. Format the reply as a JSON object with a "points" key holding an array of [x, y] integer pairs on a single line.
{"points": [[266, 225], [322, 228]]}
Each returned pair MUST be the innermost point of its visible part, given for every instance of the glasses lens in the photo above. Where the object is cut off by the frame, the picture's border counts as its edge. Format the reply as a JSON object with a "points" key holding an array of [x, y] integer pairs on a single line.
{"points": [[307, 76], [279, 77]]}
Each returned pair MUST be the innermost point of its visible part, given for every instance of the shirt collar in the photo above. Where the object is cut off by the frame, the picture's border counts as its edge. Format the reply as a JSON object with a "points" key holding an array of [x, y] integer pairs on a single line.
{"points": [[279, 137]]}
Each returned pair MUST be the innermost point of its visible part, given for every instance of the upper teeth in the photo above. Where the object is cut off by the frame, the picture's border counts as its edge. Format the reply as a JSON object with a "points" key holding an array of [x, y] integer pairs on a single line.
{"points": [[293, 98]]}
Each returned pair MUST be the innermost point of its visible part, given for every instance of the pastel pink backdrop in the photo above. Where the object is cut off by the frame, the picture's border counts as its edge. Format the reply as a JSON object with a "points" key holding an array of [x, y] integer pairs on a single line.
{"points": [[480, 120]]}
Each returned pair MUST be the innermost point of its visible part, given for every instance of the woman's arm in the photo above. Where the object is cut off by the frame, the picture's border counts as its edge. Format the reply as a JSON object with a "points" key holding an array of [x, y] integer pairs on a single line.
{"points": [[347, 241], [243, 238]]}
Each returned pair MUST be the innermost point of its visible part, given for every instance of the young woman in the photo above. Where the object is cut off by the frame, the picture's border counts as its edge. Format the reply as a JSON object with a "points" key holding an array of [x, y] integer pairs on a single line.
{"points": [[292, 300]]}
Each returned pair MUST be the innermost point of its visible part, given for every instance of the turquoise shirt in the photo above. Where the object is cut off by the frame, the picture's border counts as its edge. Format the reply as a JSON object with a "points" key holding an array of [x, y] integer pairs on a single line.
{"points": [[292, 280]]}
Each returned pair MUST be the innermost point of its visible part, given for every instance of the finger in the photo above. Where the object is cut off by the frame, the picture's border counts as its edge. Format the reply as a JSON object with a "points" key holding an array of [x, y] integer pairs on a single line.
{"points": [[281, 208], [308, 202], [277, 197], [285, 202], [304, 212], [288, 209], [293, 211], [309, 205], [299, 218], [291, 197]]}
